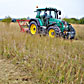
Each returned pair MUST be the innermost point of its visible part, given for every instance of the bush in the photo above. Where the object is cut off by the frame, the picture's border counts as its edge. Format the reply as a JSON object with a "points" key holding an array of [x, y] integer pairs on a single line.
{"points": [[81, 21], [23, 18], [8, 19], [72, 20]]}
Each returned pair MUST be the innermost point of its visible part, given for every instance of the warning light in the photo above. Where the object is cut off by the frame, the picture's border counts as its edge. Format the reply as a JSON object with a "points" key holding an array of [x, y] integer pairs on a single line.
{"points": [[36, 6]]}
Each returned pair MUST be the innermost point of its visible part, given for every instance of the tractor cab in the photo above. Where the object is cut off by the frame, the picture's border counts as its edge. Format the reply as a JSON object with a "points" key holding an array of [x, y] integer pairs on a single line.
{"points": [[45, 14], [50, 12]]}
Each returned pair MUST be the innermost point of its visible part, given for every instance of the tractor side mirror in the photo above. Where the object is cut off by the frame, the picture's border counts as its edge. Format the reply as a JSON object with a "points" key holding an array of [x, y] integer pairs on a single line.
{"points": [[59, 12]]}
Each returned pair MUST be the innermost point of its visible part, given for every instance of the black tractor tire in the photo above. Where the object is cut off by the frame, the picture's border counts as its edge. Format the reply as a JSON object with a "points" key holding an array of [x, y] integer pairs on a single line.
{"points": [[71, 34], [33, 27]]}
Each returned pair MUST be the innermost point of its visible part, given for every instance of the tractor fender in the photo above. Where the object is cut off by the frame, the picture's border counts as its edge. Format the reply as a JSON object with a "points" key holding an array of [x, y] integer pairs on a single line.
{"points": [[57, 29], [51, 25], [36, 20]]}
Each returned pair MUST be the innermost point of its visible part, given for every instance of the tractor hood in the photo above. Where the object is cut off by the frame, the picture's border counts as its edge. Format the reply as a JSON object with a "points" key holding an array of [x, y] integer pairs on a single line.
{"points": [[58, 22], [61, 24], [55, 20]]}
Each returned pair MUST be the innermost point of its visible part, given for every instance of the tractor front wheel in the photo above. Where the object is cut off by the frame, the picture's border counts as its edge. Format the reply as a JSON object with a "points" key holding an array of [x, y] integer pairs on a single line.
{"points": [[33, 27]]}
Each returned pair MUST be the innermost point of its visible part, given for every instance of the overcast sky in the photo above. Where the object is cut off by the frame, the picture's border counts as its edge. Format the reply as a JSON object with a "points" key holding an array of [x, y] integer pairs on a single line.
{"points": [[25, 8]]}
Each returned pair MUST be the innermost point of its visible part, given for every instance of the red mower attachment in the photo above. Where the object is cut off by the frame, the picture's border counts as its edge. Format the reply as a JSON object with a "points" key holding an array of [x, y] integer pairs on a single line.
{"points": [[24, 25]]}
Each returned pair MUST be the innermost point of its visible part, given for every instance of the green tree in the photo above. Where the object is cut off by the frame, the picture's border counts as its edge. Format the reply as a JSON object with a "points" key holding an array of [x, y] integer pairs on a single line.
{"points": [[81, 21], [71, 20]]}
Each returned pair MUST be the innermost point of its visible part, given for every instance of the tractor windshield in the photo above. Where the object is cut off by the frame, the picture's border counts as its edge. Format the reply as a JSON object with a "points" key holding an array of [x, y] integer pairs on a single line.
{"points": [[51, 14]]}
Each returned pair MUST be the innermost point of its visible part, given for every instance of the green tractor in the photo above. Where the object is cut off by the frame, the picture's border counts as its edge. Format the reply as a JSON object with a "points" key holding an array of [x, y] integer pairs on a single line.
{"points": [[47, 22]]}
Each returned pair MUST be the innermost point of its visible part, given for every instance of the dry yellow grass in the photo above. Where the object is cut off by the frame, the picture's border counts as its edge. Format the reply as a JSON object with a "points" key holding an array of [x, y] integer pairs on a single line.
{"points": [[79, 31], [42, 60]]}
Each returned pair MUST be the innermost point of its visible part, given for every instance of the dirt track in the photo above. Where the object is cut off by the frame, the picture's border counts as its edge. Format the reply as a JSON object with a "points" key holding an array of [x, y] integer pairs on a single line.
{"points": [[9, 73]]}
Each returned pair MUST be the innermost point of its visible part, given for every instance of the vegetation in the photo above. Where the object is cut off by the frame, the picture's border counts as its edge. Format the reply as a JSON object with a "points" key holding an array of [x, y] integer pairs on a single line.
{"points": [[74, 20], [81, 21], [69, 20], [23, 18], [7, 19], [42, 60]]}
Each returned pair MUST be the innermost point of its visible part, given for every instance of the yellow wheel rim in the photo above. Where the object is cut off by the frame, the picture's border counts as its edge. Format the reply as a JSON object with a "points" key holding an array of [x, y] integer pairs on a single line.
{"points": [[52, 33], [65, 32], [33, 29]]}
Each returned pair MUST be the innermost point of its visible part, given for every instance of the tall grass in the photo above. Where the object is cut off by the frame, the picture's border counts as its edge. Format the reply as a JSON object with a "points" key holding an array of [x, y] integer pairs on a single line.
{"points": [[79, 31], [42, 59]]}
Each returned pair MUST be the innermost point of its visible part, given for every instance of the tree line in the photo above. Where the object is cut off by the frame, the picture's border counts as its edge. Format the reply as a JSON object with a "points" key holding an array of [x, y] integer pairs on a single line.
{"points": [[69, 20], [74, 20]]}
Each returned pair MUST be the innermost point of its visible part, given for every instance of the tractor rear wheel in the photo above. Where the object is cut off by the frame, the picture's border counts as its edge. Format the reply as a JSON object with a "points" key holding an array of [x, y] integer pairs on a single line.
{"points": [[33, 27], [53, 31]]}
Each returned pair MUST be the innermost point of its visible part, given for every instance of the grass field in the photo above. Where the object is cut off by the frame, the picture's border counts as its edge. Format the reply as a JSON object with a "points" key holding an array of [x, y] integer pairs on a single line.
{"points": [[40, 60]]}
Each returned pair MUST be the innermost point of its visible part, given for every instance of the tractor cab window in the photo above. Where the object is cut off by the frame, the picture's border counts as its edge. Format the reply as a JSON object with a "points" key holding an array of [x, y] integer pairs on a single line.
{"points": [[53, 14], [41, 13], [47, 13], [44, 14], [38, 14]]}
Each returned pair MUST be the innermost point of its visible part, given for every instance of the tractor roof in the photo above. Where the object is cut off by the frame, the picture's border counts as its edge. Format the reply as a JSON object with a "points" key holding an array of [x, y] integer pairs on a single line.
{"points": [[46, 9]]}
